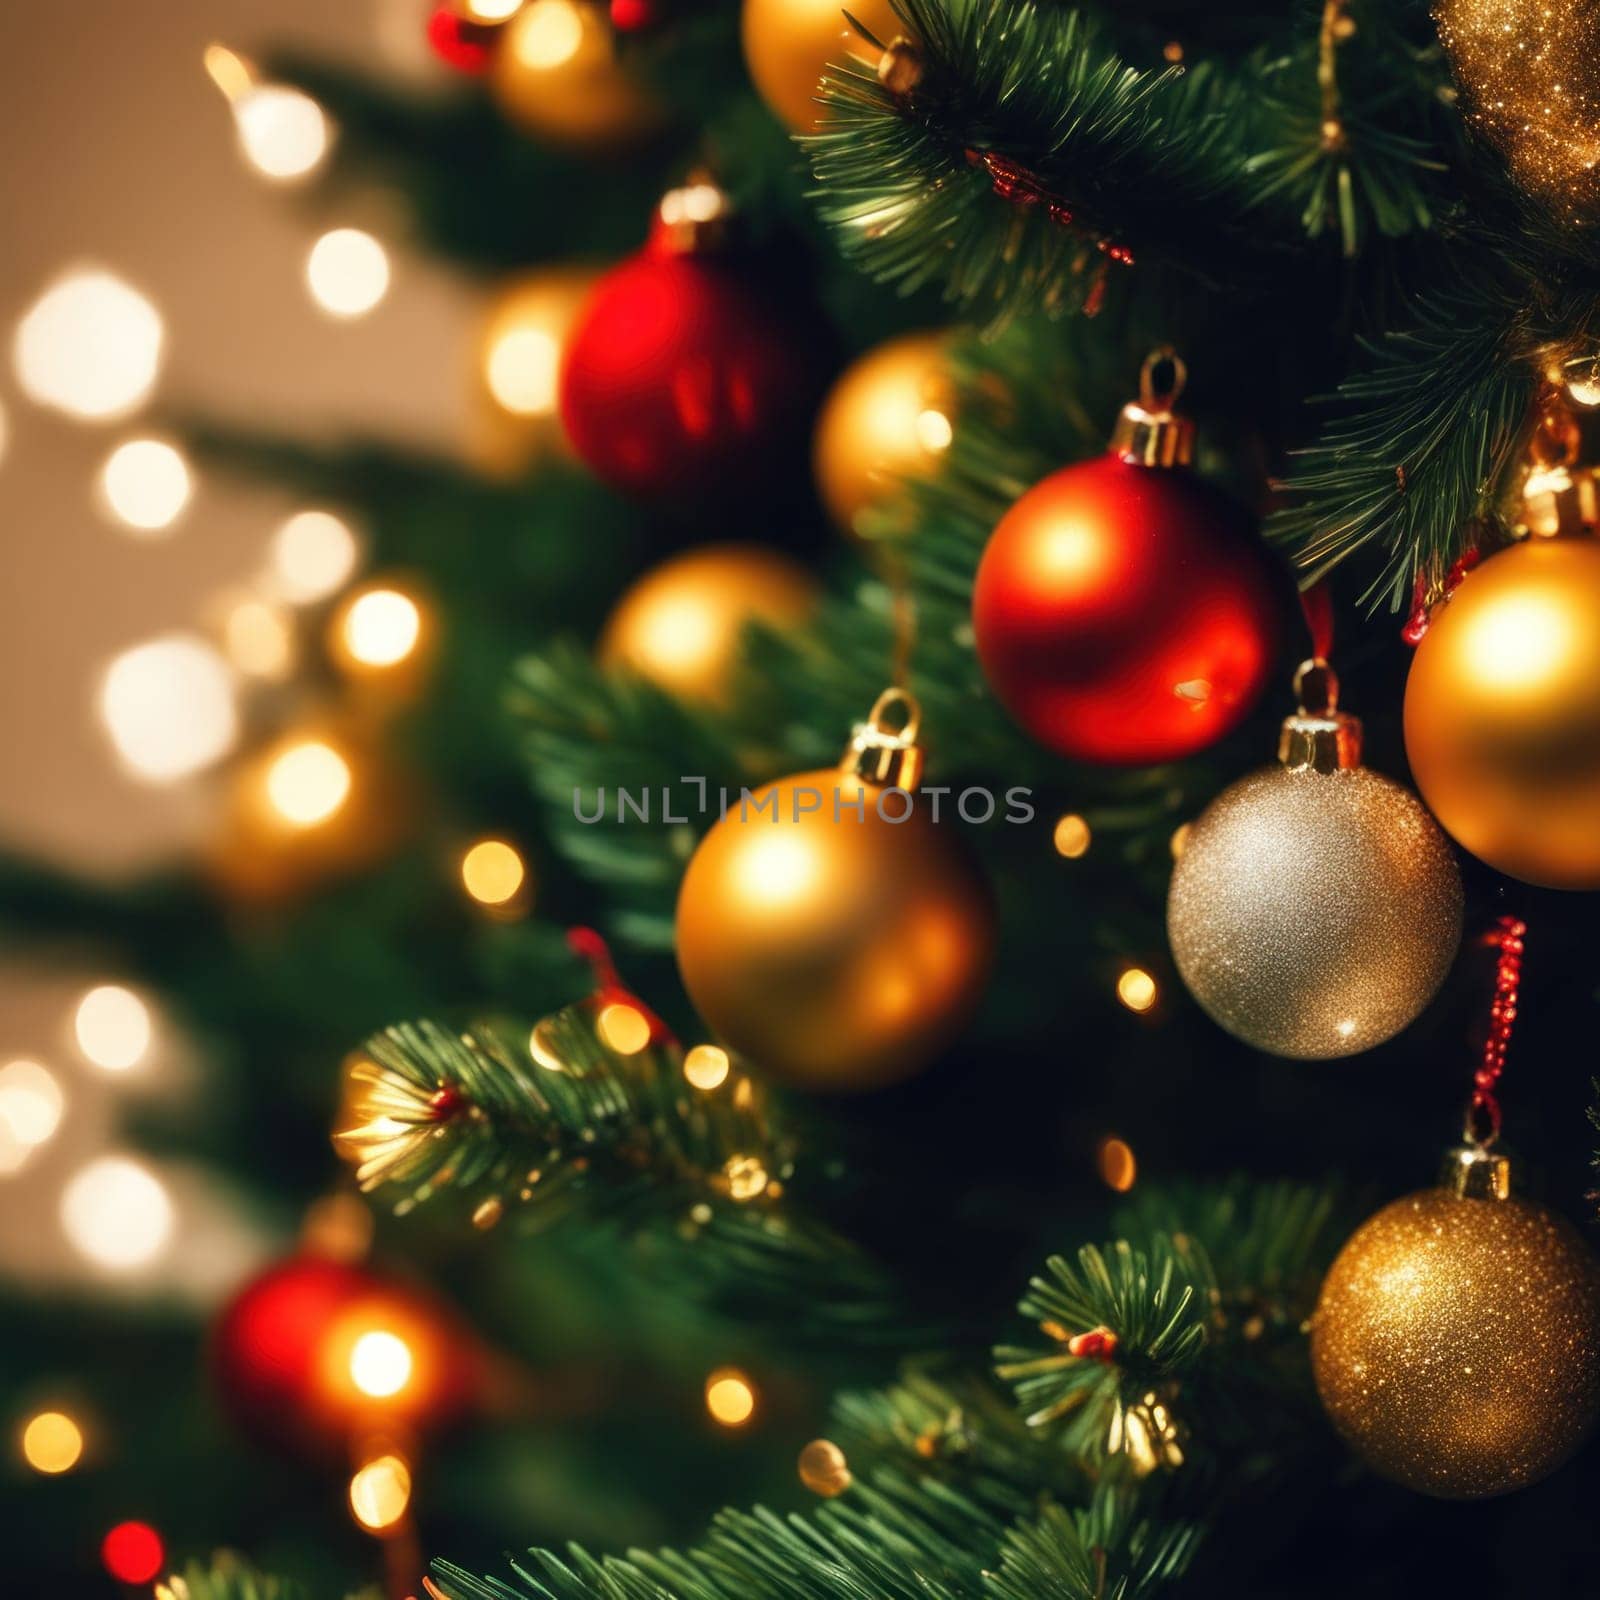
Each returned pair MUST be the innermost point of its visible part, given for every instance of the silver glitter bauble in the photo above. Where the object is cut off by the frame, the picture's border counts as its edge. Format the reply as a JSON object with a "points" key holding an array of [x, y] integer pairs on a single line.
{"points": [[1314, 913]]}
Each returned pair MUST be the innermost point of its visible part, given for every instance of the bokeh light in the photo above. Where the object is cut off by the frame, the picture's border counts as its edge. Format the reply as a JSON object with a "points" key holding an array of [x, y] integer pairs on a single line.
{"points": [[52, 1443], [1180, 840], [117, 1214], [313, 556], [31, 1102], [145, 485], [133, 1552], [1136, 989], [283, 133], [521, 368], [623, 1028], [89, 346], [706, 1067], [380, 1492], [1117, 1167], [113, 1027], [730, 1397], [492, 872], [381, 627], [169, 707], [380, 1364], [308, 783], [1072, 836], [259, 640], [549, 34], [489, 10], [347, 272]]}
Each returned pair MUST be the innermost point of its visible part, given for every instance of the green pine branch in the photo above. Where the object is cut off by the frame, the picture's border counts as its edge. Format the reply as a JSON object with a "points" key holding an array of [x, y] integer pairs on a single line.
{"points": [[226, 1577]]}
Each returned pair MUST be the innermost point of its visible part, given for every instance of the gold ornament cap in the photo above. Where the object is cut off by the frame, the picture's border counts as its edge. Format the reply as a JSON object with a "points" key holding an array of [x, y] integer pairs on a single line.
{"points": [[1560, 497], [1475, 1172], [1319, 737], [881, 754], [1149, 433]]}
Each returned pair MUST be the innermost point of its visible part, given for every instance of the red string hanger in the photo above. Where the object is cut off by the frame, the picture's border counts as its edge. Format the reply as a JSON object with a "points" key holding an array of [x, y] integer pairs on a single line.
{"points": [[1483, 1110]]}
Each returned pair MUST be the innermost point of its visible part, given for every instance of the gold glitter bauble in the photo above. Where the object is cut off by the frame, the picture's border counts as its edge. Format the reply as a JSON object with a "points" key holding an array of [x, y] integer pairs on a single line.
{"points": [[886, 420], [1529, 71], [1456, 1344], [788, 44], [823, 1468], [1314, 914], [1503, 712], [680, 624], [556, 74], [834, 952]]}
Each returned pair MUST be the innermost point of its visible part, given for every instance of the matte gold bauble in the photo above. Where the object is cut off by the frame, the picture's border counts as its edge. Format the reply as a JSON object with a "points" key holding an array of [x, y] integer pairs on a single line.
{"points": [[1456, 1344], [887, 420], [557, 75], [1316, 908], [516, 365], [680, 625], [832, 946], [788, 43], [1502, 712]]}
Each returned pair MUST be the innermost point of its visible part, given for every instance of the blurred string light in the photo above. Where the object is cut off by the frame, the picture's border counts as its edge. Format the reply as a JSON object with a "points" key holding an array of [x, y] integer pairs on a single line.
{"points": [[492, 872], [282, 132], [380, 627], [145, 485], [380, 1492], [347, 272], [706, 1067], [113, 1027], [522, 368], [31, 1103], [1136, 989], [169, 707], [730, 1397], [380, 1364], [1072, 836], [549, 34], [117, 1214], [489, 11], [52, 1443], [1117, 1167], [258, 639], [89, 346], [133, 1552], [308, 783], [623, 1028], [313, 556]]}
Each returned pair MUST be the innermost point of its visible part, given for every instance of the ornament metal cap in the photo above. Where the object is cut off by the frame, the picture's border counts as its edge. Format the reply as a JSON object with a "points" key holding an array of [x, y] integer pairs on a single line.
{"points": [[1560, 497], [1319, 737], [1475, 1172], [883, 755], [1148, 432]]}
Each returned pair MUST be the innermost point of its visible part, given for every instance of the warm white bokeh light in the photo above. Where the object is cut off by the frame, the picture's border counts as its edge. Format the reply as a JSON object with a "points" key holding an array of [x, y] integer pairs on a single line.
{"points": [[52, 1442], [380, 1364], [90, 346], [259, 640], [117, 1213], [283, 133], [313, 555], [169, 707], [492, 872], [730, 1397], [381, 627], [31, 1102], [706, 1067], [624, 1028], [308, 783], [522, 370], [1136, 989], [347, 272], [145, 484], [489, 10], [380, 1492], [113, 1028], [548, 35]]}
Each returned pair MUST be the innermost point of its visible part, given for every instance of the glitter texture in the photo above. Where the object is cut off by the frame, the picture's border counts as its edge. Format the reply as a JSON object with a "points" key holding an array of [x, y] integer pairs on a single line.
{"points": [[1314, 914], [1455, 1343], [1530, 74]]}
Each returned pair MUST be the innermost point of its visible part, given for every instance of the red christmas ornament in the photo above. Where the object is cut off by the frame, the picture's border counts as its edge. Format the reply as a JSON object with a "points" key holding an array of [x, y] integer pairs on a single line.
{"points": [[463, 45], [1123, 610], [314, 1350], [681, 377]]}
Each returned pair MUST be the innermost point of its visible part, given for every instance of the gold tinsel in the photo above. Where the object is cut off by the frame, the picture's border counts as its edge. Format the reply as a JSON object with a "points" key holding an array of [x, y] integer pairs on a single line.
{"points": [[823, 1468], [1529, 71]]}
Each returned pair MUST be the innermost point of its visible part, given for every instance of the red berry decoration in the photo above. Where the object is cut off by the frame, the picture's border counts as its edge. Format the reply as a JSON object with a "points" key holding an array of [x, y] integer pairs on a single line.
{"points": [[463, 45], [1124, 611], [682, 379]]}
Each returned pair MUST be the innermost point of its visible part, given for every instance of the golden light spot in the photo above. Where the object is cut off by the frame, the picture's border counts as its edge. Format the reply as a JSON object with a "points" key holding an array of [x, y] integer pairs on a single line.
{"points": [[1118, 1169], [308, 783], [623, 1028], [548, 35], [258, 640], [117, 1214], [489, 10], [381, 627], [113, 1028], [282, 133], [746, 1178], [169, 708], [778, 868], [706, 1067], [730, 1397], [52, 1442], [934, 430], [31, 1102], [492, 872], [347, 272], [522, 368], [1180, 840], [145, 485], [380, 1492], [1072, 836], [1136, 989], [313, 555], [380, 1364], [89, 346]]}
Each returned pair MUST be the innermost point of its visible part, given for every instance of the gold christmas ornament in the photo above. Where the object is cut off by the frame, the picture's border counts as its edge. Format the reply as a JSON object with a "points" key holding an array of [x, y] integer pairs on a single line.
{"points": [[516, 364], [788, 44], [679, 626], [1456, 1343], [829, 929], [823, 1469], [888, 419], [1502, 712], [1315, 908], [1529, 72], [556, 74]]}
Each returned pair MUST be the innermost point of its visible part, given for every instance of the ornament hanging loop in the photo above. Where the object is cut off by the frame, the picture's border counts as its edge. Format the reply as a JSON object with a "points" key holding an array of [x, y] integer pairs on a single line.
{"points": [[1319, 737], [1163, 397], [883, 750], [1316, 687], [1149, 433]]}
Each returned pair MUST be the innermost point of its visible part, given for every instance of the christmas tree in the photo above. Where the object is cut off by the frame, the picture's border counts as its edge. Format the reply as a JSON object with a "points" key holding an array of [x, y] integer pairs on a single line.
{"points": [[818, 966]]}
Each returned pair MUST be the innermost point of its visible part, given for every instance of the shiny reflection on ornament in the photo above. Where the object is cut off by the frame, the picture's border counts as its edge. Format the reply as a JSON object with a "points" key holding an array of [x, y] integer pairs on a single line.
{"points": [[623, 1028], [492, 872], [313, 555], [133, 1552], [934, 430], [549, 34], [730, 1397], [117, 1214], [1116, 1164], [282, 133], [380, 1492], [1518, 643], [145, 485], [382, 627], [52, 1443], [31, 1102], [380, 1364], [259, 640], [89, 346], [169, 708], [347, 272], [521, 370], [113, 1027], [706, 1067], [308, 783], [1136, 989], [1070, 553], [780, 870], [1072, 836]]}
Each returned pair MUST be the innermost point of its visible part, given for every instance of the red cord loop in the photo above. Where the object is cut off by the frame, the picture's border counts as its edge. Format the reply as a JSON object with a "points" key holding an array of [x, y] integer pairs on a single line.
{"points": [[1508, 936]]}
